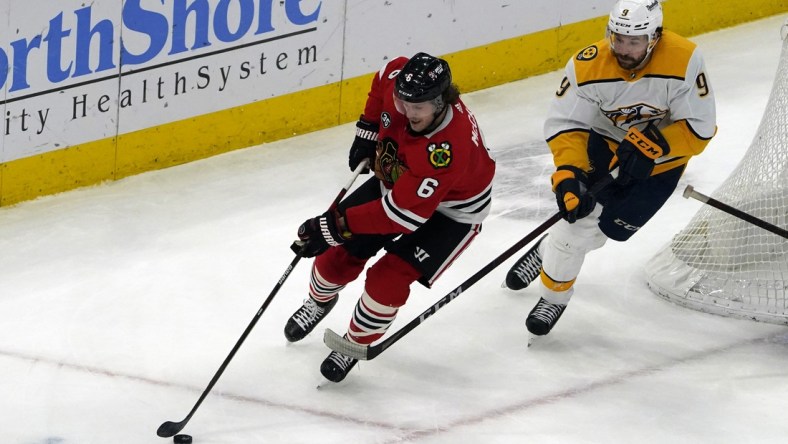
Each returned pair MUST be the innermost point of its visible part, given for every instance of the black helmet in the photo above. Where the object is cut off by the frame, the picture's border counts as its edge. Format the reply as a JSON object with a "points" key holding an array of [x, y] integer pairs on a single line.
{"points": [[423, 78]]}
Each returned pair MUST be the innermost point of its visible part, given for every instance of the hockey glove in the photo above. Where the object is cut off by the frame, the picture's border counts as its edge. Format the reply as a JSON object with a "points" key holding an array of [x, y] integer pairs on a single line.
{"points": [[569, 186], [364, 144], [316, 235], [637, 153]]}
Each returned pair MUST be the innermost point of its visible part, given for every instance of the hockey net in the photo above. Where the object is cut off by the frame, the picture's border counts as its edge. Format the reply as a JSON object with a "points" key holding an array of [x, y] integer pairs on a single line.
{"points": [[724, 265]]}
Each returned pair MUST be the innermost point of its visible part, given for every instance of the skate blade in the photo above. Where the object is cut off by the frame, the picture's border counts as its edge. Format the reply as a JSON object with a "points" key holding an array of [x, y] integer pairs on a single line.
{"points": [[324, 384]]}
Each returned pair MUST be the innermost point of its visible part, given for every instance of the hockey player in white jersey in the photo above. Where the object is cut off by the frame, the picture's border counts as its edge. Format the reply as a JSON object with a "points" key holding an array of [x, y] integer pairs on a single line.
{"points": [[639, 100]]}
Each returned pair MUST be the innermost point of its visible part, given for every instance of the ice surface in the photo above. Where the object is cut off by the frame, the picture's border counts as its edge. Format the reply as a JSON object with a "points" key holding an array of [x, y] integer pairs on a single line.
{"points": [[119, 302]]}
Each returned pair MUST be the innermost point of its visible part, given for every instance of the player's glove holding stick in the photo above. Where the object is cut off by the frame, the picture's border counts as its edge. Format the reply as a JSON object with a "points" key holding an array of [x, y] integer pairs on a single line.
{"points": [[571, 193], [318, 234], [637, 153]]}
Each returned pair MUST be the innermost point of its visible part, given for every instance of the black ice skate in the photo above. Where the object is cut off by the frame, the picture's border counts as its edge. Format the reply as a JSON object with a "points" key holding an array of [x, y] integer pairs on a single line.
{"points": [[543, 317], [336, 366], [306, 318], [526, 269]]}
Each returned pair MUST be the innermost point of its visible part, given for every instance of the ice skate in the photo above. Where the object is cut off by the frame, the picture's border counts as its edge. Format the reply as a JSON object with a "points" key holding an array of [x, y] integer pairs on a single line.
{"points": [[306, 318], [526, 269], [336, 366], [543, 318]]}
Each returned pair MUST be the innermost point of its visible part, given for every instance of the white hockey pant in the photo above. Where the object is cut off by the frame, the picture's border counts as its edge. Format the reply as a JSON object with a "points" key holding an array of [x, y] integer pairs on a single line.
{"points": [[564, 251]]}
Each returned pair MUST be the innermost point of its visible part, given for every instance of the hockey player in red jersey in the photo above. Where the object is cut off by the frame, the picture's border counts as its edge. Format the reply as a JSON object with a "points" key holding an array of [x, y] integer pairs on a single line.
{"points": [[430, 193], [639, 101]]}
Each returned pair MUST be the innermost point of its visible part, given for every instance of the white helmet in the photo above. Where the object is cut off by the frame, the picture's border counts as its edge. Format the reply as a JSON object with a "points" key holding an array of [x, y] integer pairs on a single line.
{"points": [[636, 17]]}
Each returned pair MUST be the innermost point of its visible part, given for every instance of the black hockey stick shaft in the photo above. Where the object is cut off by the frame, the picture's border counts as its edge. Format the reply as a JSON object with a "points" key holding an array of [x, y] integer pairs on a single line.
{"points": [[169, 428], [363, 352], [690, 192], [530, 237]]}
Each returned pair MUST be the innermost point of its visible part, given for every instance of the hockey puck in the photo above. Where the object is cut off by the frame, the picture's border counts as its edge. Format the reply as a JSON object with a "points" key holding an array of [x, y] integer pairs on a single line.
{"points": [[182, 439]]}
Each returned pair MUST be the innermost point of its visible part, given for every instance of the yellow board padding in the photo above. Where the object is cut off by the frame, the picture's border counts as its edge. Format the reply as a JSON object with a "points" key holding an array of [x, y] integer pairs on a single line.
{"points": [[693, 17], [494, 64], [203, 136], [326, 106], [504, 61], [57, 171], [354, 97]]}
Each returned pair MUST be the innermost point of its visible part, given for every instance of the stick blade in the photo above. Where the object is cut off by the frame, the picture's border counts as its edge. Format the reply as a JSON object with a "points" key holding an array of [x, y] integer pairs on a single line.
{"points": [[169, 429], [347, 348]]}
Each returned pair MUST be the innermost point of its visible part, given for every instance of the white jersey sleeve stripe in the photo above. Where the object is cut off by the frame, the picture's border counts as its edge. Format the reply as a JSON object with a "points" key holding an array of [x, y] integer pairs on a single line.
{"points": [[401, 216], [468, 211], [472, 204]]}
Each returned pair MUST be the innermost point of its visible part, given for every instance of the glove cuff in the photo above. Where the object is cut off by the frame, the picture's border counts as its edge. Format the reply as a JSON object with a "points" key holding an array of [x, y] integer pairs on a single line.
{"points": [[330, 232], [343, 228], [652, 149], [564, 172], [331, 229], [366, 130]]}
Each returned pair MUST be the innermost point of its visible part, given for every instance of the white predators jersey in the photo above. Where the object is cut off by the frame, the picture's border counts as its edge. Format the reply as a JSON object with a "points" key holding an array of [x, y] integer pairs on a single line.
{"points": [[672, 91]]}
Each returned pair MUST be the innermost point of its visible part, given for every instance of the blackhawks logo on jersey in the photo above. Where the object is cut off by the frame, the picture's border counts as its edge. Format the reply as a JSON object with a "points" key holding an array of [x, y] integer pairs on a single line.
{"points": [[388, 166], [440, 155]]}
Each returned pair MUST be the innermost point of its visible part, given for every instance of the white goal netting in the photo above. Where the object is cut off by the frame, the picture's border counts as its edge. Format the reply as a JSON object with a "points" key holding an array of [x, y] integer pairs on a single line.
{"points": [[721, 264]]}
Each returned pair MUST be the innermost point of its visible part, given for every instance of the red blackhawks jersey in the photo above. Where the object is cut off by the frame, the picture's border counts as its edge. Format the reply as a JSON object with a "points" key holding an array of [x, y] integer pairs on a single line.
{"points": [[449, 170]]}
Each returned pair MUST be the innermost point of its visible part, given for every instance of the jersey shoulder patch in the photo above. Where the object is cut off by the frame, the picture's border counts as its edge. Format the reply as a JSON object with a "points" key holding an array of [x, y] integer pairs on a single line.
{"points": [[595, 63], [587, 53], [439, 154]]}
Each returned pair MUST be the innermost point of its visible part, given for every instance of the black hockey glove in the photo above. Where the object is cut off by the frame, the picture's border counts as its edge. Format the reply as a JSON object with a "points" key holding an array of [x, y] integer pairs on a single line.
{"points": [[569, 186], [637, 153], [364, 144], [316, 235]]}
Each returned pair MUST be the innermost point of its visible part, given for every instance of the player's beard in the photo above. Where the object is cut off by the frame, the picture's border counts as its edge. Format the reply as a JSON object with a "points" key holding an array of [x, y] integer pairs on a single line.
{"points": [[628, 62]]}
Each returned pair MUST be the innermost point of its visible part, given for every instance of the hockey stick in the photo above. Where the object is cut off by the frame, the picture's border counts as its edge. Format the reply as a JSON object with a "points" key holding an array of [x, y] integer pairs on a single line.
{"points": [[369, 352], [169, 428], [690, 192]]}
